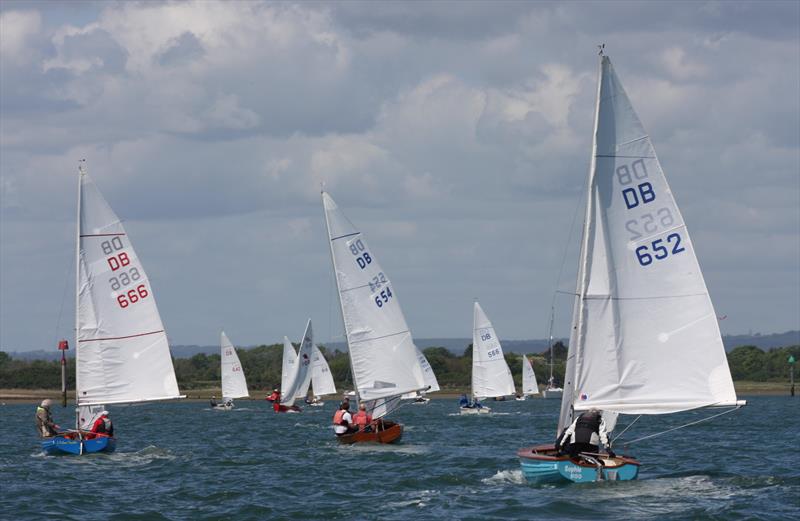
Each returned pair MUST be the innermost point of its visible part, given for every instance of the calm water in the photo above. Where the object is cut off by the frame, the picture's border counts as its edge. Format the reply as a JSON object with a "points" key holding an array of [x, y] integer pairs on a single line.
{"points": [[184, 461]]}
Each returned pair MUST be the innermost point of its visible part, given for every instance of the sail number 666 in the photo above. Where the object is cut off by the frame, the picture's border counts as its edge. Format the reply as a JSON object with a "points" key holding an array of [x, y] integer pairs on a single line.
{"points": [[132, 296]]}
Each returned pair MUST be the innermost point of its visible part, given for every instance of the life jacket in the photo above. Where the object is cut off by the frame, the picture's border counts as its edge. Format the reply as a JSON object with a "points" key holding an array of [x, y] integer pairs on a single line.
{"points": [[362, 419], [585, 426], [338, 417], [103, 425]]}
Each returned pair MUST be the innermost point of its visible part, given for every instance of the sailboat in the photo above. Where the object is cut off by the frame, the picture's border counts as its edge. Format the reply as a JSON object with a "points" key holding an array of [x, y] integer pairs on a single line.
{"points": [[645, 338], [383, 358], [122, 355], [295, 372], [431, 382], [234, 384], [491, 377], [321, 378], [529, 385]]}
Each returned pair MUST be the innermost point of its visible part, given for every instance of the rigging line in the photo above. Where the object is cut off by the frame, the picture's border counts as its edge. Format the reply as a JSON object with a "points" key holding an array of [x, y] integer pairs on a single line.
{"points": [[682, 426], [625, 429], [655, 297]]}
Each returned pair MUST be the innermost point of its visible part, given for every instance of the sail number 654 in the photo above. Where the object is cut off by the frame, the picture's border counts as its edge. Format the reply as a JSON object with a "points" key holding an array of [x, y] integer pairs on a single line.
{"points": [[383, 297], [658, 250]]}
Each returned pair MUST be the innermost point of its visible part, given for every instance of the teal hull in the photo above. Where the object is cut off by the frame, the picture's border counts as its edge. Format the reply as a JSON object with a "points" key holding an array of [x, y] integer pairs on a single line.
{"points": [[541, 465]]}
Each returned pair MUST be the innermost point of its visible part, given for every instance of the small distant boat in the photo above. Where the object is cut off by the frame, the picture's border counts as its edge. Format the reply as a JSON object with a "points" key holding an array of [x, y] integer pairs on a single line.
{"points": [[383, 358], [122, 355], [296, 372], [529, 385], [234, 384], [642, 314], [491, 377], [321, 378]]}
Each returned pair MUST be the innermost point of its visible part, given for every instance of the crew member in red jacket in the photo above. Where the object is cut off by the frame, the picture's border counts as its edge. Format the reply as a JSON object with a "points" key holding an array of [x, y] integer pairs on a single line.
{"points": [[102, 425]]}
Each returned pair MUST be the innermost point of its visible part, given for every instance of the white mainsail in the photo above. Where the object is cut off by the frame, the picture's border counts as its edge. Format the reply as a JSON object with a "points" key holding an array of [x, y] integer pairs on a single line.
{"points": [[321, 377], [491, 376], [383, 357], [529, 385], [301, 377], [122, 351], [234, 384], [288, 366], [645, 335]]}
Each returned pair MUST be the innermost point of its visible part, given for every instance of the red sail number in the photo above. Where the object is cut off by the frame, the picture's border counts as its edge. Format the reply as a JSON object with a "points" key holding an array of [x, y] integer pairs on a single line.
{"points": [[132, 296]]}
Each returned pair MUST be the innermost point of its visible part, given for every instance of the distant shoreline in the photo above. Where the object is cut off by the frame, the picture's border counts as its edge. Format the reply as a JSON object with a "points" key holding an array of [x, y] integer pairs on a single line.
{"points": [[743, 388]]}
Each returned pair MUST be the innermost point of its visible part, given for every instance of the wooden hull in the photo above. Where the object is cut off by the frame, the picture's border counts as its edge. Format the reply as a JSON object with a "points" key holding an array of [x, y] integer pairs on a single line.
{"points": [[542, 464], [59, 445], [387, 432]]}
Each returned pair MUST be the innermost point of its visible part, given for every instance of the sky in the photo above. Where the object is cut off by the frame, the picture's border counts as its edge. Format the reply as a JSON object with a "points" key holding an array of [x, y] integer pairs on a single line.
{"points": [[456, 136]]}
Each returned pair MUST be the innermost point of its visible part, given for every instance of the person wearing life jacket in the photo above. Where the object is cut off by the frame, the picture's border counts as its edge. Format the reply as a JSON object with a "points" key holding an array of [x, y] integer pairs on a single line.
{"points": [[275, 397], [44, 420], [102, 425], [585, 435], [213, 401], [343, 420], [362, 419]]}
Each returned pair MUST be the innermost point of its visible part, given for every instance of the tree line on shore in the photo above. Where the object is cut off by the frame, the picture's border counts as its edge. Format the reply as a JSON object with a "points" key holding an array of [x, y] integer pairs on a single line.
{"points": [[262, 366]]}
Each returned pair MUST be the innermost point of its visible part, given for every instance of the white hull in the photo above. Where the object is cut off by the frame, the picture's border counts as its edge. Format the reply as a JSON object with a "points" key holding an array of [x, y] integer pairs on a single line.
{"points": [[552, 393], [473, 410], [223, 407]]}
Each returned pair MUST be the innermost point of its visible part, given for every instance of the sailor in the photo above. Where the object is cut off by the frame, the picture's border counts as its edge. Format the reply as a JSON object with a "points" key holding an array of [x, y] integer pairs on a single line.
{"points": [[275, 396], [464, 401], [362, 419], [213, 401], [44, 420], [343, 420], [585, 435], [103, 425]]}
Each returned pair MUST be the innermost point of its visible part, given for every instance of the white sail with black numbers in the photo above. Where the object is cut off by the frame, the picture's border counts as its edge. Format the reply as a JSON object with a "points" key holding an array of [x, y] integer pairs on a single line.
{"points": [[529, 385], [431, 383], [321, 377], [234, 384], [491, 376], [382, 353], [297, 384], [645, 335], [122, 351], [288, 366]]}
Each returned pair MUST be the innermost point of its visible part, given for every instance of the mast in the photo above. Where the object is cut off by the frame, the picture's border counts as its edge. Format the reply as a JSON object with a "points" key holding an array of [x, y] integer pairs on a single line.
{"points": [[576, 337], [77, 288], [550, 336], [339, 291]]}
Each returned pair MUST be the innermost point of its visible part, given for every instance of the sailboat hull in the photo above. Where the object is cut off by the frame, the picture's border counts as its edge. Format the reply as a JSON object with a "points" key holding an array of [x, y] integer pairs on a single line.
{"points": [[475, 410], [541, 464], [387, 432], [62, 445], [552, 393]]}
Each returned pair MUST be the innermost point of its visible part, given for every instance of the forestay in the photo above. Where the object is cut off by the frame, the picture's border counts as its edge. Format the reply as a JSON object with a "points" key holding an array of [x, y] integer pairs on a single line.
{"points": [[234, 384], [529, 385], [382, 353], [647, 339], [301, 379], [122, 351], [491, 376], [321, 377]]}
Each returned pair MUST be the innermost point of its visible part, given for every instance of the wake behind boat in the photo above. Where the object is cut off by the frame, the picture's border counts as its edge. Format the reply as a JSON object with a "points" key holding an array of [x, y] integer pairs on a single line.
{"points": [[642, 313], [122, 355]]}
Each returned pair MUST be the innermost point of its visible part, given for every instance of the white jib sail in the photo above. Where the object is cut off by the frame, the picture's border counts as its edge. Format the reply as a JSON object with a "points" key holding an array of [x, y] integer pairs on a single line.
{"points": [[301, 379], [234, 384], [321, 377], [648, 341], [491, 376], [382, 353], [529, 385], [288, 367], [122, 351], [431, 382], [87, 414]]}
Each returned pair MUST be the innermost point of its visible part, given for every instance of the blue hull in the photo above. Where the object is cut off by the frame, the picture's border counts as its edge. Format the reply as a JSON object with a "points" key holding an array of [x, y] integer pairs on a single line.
{"points": [[541, 465], [61, 445]]}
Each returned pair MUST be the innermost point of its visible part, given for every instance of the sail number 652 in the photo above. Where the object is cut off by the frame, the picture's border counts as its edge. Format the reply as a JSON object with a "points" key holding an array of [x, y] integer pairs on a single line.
{"points": [[658, 250]]}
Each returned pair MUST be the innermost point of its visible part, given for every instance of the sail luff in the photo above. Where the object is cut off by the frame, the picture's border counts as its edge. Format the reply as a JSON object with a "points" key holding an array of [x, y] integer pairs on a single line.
{"points": [[339, 294], [576, 335]]}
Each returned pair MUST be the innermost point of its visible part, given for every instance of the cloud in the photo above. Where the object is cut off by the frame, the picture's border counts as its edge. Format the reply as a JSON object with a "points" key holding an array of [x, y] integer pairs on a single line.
{"points": [[17, 29]]}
